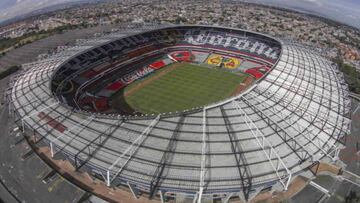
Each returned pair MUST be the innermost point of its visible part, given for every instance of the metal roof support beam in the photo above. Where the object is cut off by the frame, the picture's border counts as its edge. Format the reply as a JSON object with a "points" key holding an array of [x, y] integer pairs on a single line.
{"points": [[195, 197], [25, 82], [283, 173], [276, 98], [33, 104], [332, 68], [203, 158], [307, 93], [36, 112], [244, 172], [42, 62], [98, 143], [154, 183], [331, 148], [42, 126], [30, 73], [135, 192], [308, 97], [77, 125], [290, 140], [129, 152], [14, 90], [162, 196], [36, 101], [288, 105], [312, 81], [227, 198], [9, 107], [320, 188]]}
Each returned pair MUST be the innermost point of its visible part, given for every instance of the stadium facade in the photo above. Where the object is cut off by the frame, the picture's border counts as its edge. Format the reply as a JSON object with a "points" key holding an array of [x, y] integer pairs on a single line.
{"points": [[294, 115]]}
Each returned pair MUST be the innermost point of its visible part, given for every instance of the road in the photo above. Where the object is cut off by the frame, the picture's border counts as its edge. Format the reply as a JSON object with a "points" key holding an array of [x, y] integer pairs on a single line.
{"points": [[21, 176], [350, 157]]}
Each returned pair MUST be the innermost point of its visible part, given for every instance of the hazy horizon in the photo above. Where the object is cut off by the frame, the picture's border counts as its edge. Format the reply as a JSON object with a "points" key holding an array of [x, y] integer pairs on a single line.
{"points": [[345, 11]]}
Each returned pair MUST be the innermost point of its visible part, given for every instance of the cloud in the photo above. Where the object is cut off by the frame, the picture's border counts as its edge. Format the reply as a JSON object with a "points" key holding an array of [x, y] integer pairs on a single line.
{"points": [[316, 2], [334, 9], [21, 7]]}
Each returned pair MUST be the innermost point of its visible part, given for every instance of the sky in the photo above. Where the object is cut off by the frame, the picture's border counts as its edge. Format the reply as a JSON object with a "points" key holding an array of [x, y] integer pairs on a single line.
{"points": [[346, 11], [13, 8]]}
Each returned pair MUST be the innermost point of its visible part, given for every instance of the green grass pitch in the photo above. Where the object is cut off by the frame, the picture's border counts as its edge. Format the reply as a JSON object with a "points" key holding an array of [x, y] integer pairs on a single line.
{"points": [[182, 87]]}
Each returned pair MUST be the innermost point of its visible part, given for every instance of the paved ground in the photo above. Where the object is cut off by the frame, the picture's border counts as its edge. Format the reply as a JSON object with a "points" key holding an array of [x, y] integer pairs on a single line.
{"points": [[350, 157], [21, 172], [303, 196], [21, 175], [29, 52], [339, 189]]}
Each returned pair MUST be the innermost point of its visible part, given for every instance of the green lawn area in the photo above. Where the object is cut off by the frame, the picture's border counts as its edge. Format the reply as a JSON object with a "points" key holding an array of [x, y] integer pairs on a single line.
{"points": [[182, 88]]}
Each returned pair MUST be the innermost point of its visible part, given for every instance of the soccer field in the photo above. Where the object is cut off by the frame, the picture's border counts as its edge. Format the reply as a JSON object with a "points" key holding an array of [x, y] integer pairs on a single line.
{"points": [[178, 87]]}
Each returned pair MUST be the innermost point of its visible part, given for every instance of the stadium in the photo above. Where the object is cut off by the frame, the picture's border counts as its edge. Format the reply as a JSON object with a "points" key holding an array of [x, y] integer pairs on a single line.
{"points": [[210, 113]]}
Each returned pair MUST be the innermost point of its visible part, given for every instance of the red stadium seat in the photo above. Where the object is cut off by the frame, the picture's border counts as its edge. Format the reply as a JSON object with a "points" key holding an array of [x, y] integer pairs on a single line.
{"points": [[254, 73], [257, 72], [52, 122], [101, 104], [89, 74], [157, 65], [181, 56], [86, 100], [115, 86]]}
